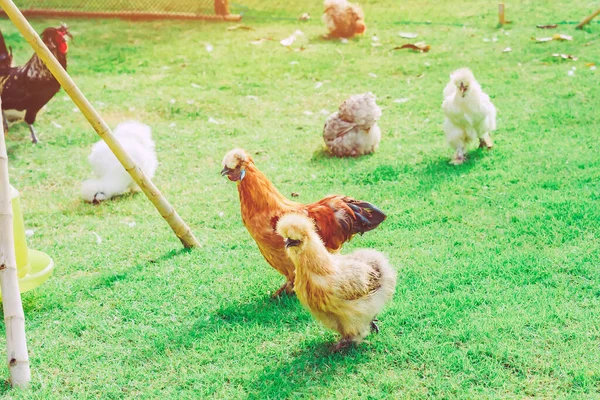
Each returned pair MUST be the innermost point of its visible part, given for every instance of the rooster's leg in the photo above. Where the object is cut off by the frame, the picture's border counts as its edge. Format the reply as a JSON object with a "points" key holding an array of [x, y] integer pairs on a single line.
{"points": [[33, 138], [374, 326], [486, 142], [287, 288]]}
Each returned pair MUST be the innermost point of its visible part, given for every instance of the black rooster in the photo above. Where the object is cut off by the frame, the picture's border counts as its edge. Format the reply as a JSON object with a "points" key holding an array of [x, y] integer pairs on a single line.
{"points": [[29, 87]]}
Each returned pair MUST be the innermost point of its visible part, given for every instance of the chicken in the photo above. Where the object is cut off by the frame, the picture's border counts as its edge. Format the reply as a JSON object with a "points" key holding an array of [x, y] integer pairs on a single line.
{"points": [[338, 218], [31, 86], [353, 130], [110, 178], [344, 292], [343, 19], [470, 115]]}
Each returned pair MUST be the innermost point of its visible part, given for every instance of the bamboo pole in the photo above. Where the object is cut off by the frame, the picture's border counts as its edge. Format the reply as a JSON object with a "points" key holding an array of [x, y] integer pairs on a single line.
{"points": [[588, 19], [14, 318], [163, 206]]}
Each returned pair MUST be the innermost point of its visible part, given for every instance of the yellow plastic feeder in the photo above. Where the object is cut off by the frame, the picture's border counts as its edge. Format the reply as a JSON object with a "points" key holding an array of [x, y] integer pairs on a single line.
{"points": [[33, 267]]}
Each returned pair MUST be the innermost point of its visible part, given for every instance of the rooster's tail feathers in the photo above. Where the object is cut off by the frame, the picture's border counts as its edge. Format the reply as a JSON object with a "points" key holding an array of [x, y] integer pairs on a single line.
{"points": [[367, 216]]}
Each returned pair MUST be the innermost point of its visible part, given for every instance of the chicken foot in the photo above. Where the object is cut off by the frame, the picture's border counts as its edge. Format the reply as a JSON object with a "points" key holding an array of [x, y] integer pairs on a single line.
{"points": [[374, 326], [459, 157], [287, 287], [486, 142], [344, 343]]}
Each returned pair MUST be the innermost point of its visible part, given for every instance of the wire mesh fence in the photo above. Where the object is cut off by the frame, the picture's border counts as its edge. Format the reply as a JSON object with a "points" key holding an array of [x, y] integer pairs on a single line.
{"points": [[201, 9], [470, 12]]}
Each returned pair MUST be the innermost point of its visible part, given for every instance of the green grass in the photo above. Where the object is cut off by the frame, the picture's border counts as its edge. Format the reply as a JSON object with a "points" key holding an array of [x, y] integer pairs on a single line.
{"points": [[499, 288]]}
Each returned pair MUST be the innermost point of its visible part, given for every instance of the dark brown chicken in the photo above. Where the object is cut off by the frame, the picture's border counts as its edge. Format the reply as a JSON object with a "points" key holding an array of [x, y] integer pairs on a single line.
{"points": [[30, 87]]}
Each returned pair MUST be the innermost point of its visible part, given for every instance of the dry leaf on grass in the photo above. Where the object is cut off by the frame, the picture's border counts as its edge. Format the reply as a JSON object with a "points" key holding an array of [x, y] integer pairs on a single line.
{"points": [[560, 36], [507, 50], [304, 17], [295, 194], [565, 56], [260, 41], [240, 27], [407, 35], [556, 36], [420, 47], [552, 26], [288, 41]]}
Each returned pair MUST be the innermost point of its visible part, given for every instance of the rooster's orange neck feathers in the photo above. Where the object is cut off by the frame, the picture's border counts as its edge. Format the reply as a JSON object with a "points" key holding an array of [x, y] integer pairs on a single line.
{"points": [[258, 193]]}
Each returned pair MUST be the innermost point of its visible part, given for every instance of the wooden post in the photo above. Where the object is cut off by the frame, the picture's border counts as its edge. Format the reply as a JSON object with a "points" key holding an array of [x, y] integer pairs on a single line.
{"points": [[501, 18], [163, 206], [221, 7], [588, 19], [14, 318]]}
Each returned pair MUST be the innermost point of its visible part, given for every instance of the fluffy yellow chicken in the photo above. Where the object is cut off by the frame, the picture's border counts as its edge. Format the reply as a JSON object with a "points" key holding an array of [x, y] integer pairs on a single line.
{"points": [[343, 19], [344, 292]]}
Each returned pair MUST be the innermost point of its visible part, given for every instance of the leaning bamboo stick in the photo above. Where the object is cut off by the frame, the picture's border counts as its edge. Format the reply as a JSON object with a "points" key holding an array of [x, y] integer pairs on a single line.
{"points": [[588, 19], [14, 319], [163, 206]]}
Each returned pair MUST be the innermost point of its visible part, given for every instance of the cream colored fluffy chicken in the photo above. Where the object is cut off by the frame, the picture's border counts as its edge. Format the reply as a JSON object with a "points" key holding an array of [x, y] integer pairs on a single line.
{"points": [[110, 178], [344, 292], [470, 115], [343, 19], [353, 131]]}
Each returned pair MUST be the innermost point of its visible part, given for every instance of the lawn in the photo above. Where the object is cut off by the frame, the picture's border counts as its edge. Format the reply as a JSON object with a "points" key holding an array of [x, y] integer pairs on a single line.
{"points": [[498, 291]]}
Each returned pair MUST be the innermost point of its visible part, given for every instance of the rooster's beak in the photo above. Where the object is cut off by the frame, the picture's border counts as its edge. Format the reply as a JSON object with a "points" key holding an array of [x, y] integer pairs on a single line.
{"points": [[292, 243], [463, 88], [226, 171]]}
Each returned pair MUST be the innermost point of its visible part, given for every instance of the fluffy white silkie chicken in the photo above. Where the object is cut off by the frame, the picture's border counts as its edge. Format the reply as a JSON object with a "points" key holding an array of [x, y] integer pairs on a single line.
{"points": [[343, 19], [353, 131], [110, 178], [470, 115]]}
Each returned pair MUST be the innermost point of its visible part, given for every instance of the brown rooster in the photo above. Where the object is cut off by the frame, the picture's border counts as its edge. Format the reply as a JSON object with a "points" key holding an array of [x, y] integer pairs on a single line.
{"points": [[337, 218], [30, 87]]}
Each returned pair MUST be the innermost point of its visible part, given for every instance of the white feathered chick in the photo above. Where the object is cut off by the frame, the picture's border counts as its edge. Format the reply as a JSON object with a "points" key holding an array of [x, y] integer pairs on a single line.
{"points": [[344, 292], [353, 130], [110, 178], [470, 115], [343, 19]]}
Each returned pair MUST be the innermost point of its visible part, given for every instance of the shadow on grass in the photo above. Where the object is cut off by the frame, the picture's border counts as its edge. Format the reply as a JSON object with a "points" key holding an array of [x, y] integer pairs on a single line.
{"points": [[428, 174], [313, 365], [261, 311], [108, 280], [38, 302]]}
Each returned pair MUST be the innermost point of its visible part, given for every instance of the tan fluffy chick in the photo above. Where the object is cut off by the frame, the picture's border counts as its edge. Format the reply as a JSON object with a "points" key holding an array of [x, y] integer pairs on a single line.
{"points": [[353, 131], [344, 292], [343, 19]]}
